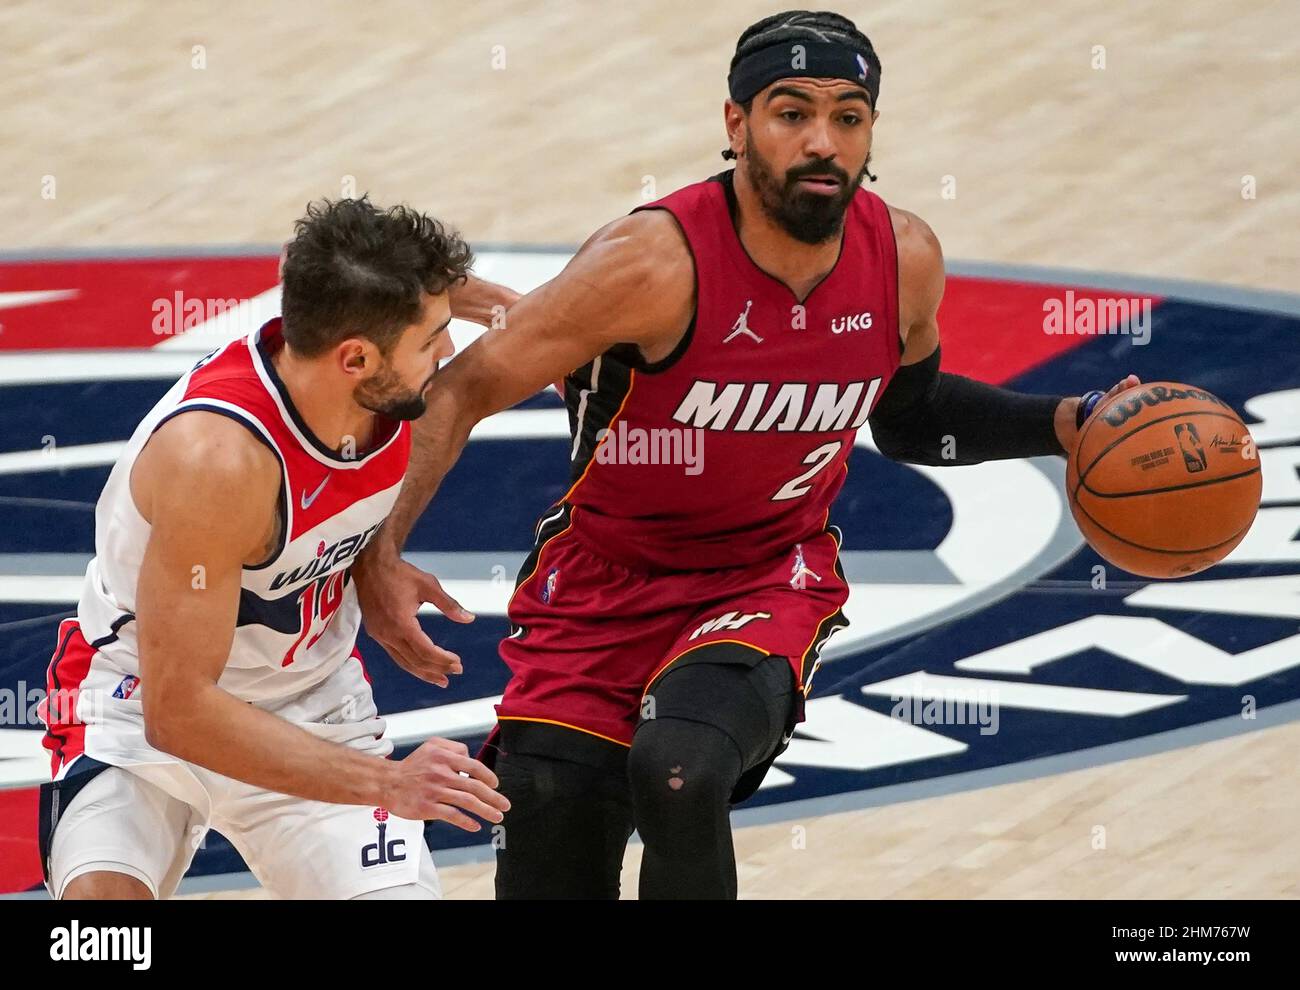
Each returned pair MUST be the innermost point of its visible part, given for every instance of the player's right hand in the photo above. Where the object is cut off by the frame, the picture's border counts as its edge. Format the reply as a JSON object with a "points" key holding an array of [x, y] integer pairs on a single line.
{"points": [[391, 592], [440, 781]]}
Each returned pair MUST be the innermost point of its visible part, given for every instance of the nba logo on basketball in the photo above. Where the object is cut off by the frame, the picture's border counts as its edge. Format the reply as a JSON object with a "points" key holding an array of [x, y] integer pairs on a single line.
{"points": [[1193, 452]]}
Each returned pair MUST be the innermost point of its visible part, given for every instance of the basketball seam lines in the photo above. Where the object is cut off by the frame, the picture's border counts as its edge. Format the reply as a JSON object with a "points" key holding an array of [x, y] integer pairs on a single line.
{"points": [[1118, 440], [1173, 553], [1171, 488]]}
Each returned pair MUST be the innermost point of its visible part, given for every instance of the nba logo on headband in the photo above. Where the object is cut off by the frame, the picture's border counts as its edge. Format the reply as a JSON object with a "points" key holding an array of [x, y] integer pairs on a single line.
{"points": [[862, 64]]}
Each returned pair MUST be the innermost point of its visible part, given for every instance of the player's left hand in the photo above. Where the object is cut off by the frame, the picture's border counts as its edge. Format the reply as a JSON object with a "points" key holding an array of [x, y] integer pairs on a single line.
{"points": [[390, 592], [1129, 382], [1067, 430]]}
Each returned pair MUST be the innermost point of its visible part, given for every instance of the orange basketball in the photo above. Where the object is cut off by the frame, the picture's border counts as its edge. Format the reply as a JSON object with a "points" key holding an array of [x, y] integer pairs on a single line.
{"points": [[1164, 480]]}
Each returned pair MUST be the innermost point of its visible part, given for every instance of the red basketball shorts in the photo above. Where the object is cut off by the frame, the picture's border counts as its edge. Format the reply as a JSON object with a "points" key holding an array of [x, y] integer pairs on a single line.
{"points": [[590, 637]]}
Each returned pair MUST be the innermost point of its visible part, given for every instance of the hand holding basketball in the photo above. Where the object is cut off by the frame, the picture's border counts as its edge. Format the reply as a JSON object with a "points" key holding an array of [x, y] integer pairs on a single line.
{"points": [[1127, 383], [1163, 479], [1067, 426]]}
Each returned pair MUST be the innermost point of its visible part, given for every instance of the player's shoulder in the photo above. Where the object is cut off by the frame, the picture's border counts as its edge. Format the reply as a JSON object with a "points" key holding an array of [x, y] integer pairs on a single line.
{"points": [[920, 265], [647, 236], [203, 470], [644, 258], [209, 447], [913, 235], [920, 257]]}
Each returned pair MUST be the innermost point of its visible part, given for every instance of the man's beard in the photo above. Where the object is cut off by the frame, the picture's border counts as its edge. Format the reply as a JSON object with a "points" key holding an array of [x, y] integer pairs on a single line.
{"points": [[386, 395], [808, 217]]}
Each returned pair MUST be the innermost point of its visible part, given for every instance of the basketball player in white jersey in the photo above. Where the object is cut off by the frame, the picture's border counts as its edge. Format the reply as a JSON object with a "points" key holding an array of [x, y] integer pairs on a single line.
{"points": [[210, 677]]}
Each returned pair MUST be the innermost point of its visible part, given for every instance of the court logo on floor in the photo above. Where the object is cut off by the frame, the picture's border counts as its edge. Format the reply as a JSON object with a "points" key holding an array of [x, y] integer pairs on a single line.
{"points": [[985, 640]]}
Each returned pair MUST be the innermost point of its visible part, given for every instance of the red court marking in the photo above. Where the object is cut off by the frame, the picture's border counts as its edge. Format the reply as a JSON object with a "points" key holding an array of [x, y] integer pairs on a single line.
{"points": [[119, 301], [20, 863], [993, 331]]}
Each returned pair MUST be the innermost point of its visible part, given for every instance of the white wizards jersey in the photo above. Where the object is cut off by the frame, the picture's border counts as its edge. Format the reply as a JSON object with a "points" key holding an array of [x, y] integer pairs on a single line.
{"points": [[298, 613]]}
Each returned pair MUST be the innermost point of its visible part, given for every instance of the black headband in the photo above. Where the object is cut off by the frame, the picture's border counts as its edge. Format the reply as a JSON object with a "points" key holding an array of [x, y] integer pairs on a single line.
{"points": [[817, 59]]}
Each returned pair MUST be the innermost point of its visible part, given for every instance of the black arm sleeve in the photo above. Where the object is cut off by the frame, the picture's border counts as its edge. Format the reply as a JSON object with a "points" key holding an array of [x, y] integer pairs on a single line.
{"points": [[930, 417]]}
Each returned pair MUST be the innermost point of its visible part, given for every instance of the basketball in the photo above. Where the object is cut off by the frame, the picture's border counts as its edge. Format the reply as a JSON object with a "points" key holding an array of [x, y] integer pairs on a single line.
{"points": [[1164, 480]]}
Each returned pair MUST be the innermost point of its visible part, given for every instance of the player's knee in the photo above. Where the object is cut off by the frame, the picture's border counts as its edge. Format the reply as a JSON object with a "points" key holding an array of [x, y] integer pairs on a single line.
{"points": [[105, 885], [564, 835], [681, 774]]}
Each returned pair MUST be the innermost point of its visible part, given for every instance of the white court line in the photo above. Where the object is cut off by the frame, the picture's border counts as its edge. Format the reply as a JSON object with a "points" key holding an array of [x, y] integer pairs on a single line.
{"points": [[1012, 694], [35, 297], [60, 458], [40, 589], [57, 367], [513, 424]]}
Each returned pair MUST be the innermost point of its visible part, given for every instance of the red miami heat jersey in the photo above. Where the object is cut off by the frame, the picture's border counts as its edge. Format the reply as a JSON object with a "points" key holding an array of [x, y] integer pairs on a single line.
{"points": [[731, 450]]}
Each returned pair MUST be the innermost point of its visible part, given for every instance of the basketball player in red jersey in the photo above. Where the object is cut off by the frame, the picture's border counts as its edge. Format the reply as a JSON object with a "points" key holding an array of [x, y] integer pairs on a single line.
{"points": [[666, 627], [210, 676]]}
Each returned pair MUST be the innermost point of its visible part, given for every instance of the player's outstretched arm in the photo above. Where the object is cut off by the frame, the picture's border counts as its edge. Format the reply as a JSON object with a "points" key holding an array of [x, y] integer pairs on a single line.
{"points": [[480, 301], [927, 416], [633, 282], [208, 490]]}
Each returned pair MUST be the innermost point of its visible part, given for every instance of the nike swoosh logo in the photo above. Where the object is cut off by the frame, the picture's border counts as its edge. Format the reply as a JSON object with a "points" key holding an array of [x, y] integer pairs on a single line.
{"points": [[307, 500], [785, 740]]}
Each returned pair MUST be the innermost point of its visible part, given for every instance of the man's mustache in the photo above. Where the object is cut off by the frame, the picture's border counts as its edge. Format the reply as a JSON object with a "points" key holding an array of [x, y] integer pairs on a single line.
{"points": [[816, 168]]}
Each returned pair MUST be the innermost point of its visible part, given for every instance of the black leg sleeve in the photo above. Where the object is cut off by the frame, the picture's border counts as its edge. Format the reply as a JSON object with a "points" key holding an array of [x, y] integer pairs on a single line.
{"points": [[565, 833], [931, 417], [712, 723]]}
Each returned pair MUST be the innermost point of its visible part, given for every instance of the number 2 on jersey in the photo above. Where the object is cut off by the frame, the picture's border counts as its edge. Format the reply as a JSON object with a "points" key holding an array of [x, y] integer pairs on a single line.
{"points": [[818, 458]]}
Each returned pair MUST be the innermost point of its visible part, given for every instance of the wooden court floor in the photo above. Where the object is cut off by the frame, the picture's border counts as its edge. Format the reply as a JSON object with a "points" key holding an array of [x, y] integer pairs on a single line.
{"points": [[1109, 136]]}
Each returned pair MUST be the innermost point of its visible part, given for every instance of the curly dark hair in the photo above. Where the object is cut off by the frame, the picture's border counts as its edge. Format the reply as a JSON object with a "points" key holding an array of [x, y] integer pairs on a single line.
{"points": [[353, 269]]}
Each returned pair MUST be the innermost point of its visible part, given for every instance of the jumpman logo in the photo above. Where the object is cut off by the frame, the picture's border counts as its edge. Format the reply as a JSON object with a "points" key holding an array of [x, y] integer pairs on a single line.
{"points": [[800, 569], [742, 325]]}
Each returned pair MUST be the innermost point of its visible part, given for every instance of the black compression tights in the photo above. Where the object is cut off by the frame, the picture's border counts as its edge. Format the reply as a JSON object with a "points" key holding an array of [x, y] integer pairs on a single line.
{"points": [[682, 774], [568, 825]]}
